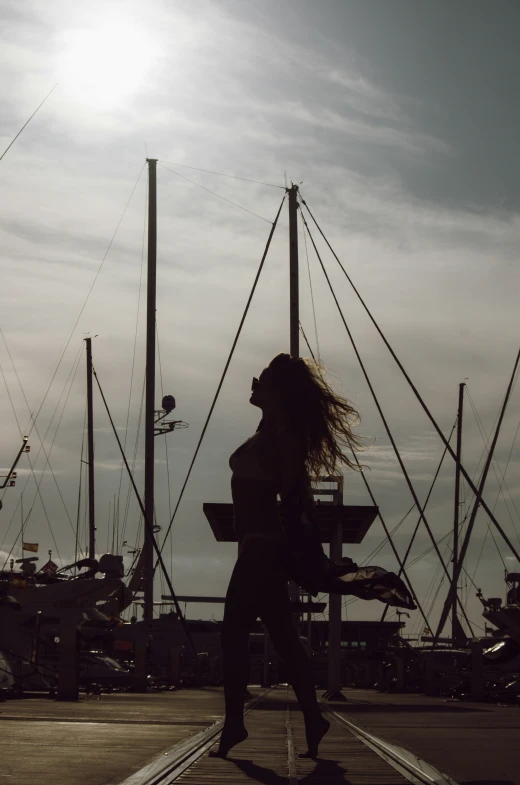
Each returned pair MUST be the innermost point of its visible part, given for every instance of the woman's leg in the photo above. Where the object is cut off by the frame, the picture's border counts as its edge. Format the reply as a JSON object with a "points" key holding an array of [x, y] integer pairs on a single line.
{"points": [[240, 612], [277, 616]]}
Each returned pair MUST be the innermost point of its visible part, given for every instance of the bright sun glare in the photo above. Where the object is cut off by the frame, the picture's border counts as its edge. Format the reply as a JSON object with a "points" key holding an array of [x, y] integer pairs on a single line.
{"points": [[103, 67]]}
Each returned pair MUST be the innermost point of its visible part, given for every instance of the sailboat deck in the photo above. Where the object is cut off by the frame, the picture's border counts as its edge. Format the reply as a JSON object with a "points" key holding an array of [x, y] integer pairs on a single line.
{"points": [[122, 737]]}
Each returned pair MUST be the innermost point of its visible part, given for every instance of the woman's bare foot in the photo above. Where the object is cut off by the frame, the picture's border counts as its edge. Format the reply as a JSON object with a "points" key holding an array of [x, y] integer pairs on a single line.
{"points": [[314, 732], [231, 736]]}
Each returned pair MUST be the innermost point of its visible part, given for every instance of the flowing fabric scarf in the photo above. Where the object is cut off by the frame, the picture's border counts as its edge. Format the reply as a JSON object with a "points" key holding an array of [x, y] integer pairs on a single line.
{"points": [[314, 572]]}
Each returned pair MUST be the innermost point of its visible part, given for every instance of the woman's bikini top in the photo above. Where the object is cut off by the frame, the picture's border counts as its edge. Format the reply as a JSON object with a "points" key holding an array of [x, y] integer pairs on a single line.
{"points": [[253, 461]]}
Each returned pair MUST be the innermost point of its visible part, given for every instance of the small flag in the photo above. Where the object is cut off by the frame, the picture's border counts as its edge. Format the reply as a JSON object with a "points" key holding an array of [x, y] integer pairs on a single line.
{"points": [[427, 631], [49, 568], [30, 546]]}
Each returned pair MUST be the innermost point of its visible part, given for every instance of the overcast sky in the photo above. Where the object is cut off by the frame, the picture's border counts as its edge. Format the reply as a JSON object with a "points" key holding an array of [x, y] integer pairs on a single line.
{"points": [[400, 120]]}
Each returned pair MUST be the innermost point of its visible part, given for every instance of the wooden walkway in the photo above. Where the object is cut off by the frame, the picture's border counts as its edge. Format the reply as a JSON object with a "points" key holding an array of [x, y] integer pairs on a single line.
{"points": [[164, 738]]}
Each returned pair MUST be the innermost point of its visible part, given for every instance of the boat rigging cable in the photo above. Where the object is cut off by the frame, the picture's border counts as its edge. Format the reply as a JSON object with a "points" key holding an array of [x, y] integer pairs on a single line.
{"points": [[165, 445], [413, 387], [228, 361], [78, 513], [148, 524], [27, 122], [495, 465], [32, 463], [47, 456], [134, 460], [485, 439], [220, 174], [312, 300], [33, 419], [402, 570], [410, 544], [133, 355], [215, 193], [380, 410], [476, 505], [72, 373], [412, 539], [307, 342]]}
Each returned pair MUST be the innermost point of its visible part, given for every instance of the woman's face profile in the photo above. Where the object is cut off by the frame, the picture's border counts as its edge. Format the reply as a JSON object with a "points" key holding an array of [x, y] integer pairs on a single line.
{"points": [[263, 395]]}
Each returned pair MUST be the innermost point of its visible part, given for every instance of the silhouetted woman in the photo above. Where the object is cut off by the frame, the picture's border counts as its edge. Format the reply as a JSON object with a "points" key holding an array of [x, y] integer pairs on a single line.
{"points": [[303, 428]]}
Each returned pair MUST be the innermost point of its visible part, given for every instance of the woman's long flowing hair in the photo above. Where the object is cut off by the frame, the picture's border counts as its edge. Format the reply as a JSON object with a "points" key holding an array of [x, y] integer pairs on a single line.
{"points": [[319, 416]]}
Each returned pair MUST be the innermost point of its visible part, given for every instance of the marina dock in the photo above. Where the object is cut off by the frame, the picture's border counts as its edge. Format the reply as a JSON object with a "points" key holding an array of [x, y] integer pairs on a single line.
{"points": [[375, 739]]}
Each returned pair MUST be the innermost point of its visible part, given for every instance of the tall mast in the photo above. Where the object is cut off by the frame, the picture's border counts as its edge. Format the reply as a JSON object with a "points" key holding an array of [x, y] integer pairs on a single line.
{"points": [[90, 456], [150, 390], [293, 272], [455, 629]]}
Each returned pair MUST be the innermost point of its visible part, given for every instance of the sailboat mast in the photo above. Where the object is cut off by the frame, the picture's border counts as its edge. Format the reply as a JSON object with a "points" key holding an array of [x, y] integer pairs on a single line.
{"points": [[90, 455], [454, 626], [150, 390], [293, 272]]}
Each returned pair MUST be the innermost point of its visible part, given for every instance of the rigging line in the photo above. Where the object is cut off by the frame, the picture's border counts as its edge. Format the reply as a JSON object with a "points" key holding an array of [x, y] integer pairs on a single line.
{"points": [[432, 485], [378, 405], [413, 387], [165, 444], [134, 459], [216, 194], [72, 372], [79, 485], [499, 474], [434, 599], [135, 337], [485, 439], [416, 625], [471, 579], [306, 341], [390, 540], [483, 434], [488, 529], [47, 455], [221, 174], [312, 297], [465, 543], [87, 297], [32, 464], [382, 544], [38, 492], [148, 523], [27, 122], [421, 556], [221, 382], [50, 529], [376, 400], [430, 549]]}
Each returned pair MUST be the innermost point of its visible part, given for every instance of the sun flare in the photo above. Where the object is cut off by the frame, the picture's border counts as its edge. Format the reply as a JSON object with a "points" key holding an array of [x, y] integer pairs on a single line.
{"points": [[103, 67]]}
